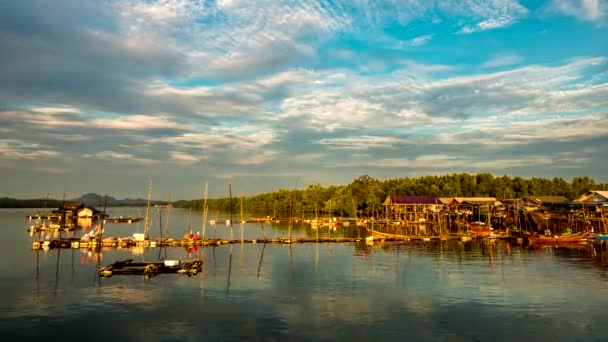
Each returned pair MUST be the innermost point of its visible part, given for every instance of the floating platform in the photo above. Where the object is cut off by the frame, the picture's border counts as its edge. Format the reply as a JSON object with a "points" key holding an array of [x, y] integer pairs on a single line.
{"points": [[43, 217], [151, 269], [122, 219]]}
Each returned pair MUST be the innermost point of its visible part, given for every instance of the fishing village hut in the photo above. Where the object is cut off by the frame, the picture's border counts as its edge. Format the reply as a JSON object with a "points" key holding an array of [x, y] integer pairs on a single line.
{"points": [[71, 210], [531, 203], [468, 204], [445, 200], [593, 196], [398, 207]]}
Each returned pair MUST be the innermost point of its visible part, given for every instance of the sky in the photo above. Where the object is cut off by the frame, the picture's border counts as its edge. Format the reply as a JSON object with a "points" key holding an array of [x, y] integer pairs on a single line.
{"points": [[103, 96]]}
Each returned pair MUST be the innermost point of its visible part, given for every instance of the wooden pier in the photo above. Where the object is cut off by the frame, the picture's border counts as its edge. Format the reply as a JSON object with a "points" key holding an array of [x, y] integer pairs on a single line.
{"points": [[158, 242]]}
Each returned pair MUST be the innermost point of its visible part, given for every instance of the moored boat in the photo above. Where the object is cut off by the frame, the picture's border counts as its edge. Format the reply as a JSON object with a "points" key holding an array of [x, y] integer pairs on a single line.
{"points": [[479, 229], [559, 239]]}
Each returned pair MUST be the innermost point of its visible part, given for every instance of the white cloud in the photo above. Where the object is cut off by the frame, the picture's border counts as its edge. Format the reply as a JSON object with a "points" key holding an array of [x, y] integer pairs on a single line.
{"points": [[437, 161], [55, 110], [359, 142], [421, 40], [45, 117], [186, 157], [118, 156], [589, 10], [494, 14], [20, 150], [138, 122], [502, 60], [518, 132]]}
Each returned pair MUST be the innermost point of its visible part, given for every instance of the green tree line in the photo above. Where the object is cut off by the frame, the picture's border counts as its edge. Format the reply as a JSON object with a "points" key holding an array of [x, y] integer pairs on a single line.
{"points": [[364, 196], [6, 202]]}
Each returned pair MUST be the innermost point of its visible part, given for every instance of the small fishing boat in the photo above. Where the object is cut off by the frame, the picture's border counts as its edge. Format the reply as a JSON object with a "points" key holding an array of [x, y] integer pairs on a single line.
{"points": [[559, 239], [479, 229], [380, 235]]}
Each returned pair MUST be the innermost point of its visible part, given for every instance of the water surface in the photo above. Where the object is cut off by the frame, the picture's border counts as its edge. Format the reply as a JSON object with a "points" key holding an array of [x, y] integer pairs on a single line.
{"points": [[425, 291]]}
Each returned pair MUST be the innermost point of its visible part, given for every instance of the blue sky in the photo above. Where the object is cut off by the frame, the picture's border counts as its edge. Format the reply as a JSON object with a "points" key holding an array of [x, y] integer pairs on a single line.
{"points": [[103, 95]]}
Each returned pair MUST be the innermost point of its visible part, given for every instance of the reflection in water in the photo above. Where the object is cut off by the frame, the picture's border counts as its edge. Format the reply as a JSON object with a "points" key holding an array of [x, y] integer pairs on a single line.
{"points": [[229, 271], [428, 290], [261, 260], [57, 272]]}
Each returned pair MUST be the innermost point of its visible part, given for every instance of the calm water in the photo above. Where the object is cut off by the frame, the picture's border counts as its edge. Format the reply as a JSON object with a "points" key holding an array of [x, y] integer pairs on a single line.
{"points": [[423, 291]]}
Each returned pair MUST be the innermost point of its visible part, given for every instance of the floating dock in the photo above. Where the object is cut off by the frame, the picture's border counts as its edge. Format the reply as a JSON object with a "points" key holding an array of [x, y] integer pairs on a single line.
{"points": [[122, 219], [151, 269], [51, 229]]}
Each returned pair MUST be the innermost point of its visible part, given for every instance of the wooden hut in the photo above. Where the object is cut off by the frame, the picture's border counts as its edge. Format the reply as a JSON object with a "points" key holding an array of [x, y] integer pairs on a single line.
{"points": [[593, 196], [398, 207]]}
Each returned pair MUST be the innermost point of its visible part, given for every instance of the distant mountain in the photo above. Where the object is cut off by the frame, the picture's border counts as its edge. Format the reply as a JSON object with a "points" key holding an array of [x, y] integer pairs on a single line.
{"points": [[98, 201]]}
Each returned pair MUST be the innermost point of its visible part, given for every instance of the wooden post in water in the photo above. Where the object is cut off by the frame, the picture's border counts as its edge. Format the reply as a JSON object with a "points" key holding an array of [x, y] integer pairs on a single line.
{"points": [[204, 213]]}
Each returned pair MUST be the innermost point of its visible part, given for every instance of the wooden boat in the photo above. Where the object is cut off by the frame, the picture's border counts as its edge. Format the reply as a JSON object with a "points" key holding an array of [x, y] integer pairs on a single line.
{"points": [[601, 237], [479, 229], [379, 235], [559, 239], [151, 269]]}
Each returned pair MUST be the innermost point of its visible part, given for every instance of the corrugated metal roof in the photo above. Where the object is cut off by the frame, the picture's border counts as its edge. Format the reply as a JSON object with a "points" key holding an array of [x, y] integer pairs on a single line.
{"points": [[396, 199], [601, 193], [475, 199], [547, 199], [590, 193]]}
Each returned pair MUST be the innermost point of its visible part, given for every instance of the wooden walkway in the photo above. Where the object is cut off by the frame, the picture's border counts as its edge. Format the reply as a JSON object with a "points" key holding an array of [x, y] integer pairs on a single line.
{"points": [[157, 242]]}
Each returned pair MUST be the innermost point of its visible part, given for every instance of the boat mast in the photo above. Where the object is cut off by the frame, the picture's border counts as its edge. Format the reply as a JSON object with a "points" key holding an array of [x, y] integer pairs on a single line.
{"points": [[147, 221], [204, 223], [230, 194], [242, 222], [168, 215]]}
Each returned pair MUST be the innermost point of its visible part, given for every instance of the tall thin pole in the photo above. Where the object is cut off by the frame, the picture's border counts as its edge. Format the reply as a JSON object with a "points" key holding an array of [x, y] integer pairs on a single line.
{"points": [[204, 223], [230, 194], [242, 222], [189, 227], [160, 221], [168, 216], [147, 221]]}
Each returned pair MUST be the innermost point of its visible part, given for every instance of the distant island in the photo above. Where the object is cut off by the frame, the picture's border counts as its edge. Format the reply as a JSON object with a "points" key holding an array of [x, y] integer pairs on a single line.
{"points": [[89, 199]]}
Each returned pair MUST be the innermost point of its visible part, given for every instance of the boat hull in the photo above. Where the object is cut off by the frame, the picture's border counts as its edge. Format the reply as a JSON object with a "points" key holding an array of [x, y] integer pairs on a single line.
{"points": [[559, 239]]}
